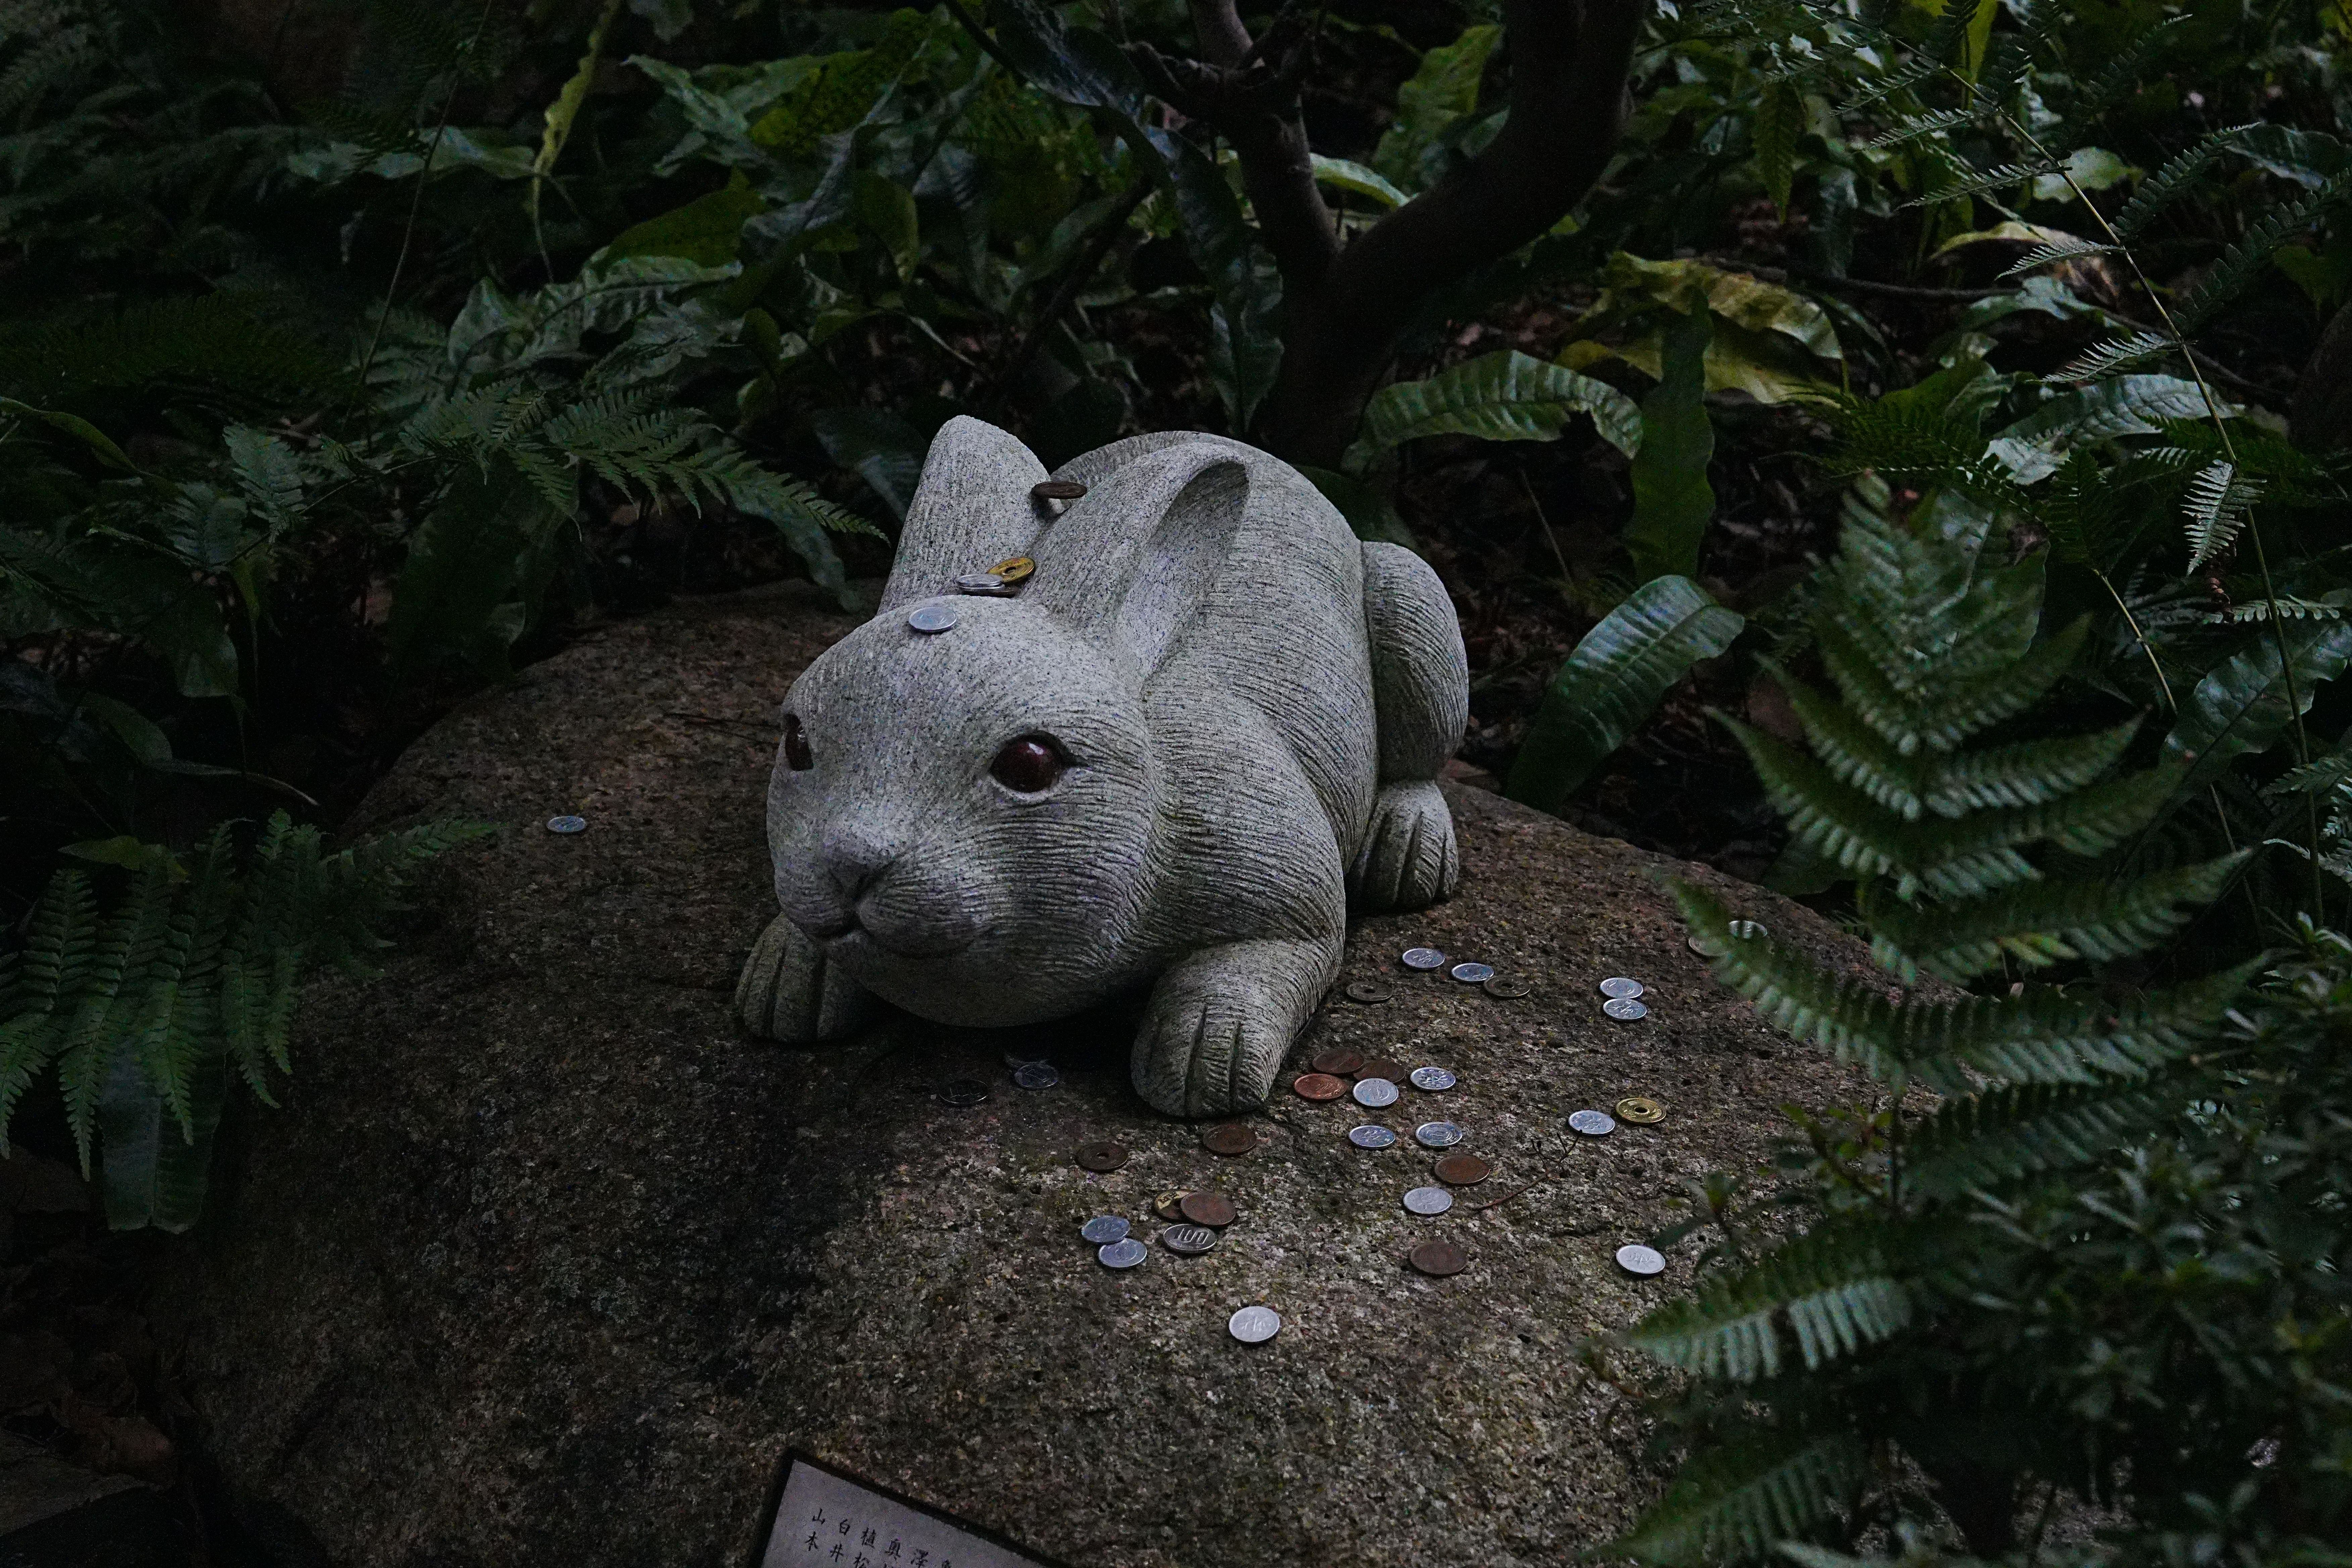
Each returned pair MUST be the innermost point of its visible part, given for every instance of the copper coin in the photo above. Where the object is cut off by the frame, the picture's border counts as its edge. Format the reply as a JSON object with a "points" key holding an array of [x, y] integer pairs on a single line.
{"points": [[1057, 489], [1463, 1170], [1438, 1257], [1014, 570], [1167, 1204], [1365, 992], [1339, 1059], [1212, 1209], [1104, 1156], [1233, 1137], [1388, 1067], [1318, 1086], [1640, 1110], [1505, 989]]}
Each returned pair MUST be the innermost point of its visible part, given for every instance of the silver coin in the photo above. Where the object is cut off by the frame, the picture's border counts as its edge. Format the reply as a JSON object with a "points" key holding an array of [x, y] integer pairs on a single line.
{"points": [[1188, 1239], [1473, 973], [1371, 1137], [1747, 931], [1255, 1325], [985, 585], [1593, 1124], [1618, 985], [1432, 1078], [1036, 1075], [1429, 1200], [1438, 1134], [1625, 1007], [1375, 1092], [1104, 1230], [963, 1093], [1639, 1259], [1124, 1254], [931, 615], [1423, 958], [567, 825]]}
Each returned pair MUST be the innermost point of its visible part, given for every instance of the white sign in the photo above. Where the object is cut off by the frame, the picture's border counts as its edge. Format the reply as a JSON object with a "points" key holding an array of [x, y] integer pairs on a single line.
{"points": [[827, 1520]]}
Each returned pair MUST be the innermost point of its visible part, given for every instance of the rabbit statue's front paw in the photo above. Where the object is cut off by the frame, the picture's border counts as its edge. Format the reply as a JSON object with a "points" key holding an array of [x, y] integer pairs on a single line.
{"points": [[1409, 860], [790, 992], [1219, 1022]]}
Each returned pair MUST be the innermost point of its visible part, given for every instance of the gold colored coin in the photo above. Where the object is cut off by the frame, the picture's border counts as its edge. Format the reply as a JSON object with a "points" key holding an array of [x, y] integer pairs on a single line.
{"points": [[1639, 1110], [1166, 1204], [1012, 570]]}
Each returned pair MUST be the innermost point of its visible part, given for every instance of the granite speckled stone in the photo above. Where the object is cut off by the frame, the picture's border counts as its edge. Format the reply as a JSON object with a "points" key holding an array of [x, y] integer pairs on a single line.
{"points": [[546, 1262]]}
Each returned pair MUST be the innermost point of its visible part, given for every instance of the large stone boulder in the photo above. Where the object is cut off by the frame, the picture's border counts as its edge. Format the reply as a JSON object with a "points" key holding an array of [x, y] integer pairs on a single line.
{"points": [[545, 1262]]}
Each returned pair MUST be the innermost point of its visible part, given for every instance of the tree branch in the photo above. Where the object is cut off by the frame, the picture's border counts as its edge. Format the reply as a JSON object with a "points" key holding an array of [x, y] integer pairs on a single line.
{"points": [[1568, 62]]}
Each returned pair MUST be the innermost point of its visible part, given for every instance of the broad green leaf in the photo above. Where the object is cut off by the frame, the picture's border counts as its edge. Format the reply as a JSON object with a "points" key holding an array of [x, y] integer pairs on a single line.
{"points": [[1355, 177], [1629, 285], [1610, 683], [1672, 502], [1501, 396], [885, 210], [706, 231], [1765, 366], [1779, 120], [2241, 706], [1440, 95], [75, 425]]}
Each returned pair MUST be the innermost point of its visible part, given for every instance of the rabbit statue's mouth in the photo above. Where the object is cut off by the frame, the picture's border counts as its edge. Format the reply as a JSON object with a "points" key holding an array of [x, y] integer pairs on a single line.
{"points": [[847, 937]]}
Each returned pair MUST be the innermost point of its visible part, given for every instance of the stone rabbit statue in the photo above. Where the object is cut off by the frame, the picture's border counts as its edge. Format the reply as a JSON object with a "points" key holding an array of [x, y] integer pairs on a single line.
{"points": [[1209, 722]]}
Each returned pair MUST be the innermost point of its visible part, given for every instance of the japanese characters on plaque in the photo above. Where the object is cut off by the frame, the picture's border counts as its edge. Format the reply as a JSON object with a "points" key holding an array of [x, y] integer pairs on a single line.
{"points": [[827, 1520]]}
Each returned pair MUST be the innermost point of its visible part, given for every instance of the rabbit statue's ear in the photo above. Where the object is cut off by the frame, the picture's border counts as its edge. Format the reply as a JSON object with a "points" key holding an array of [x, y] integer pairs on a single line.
{"points": [[1132, 560], [972, 509]]}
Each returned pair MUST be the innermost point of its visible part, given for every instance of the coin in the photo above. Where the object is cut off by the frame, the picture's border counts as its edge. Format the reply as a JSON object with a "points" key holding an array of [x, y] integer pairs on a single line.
{"points": [[1438, 1134], [1371, 1137], [1428, 1201], [963, 1093], [931, 615], [1625, 1009], [979, 584], [1432, 1078], [1473, 973], [567, 825], [1036, 1075], [1505, 989], [1124, 1254], [1592, 1123], [1740, 930], [1640, 1110], [1104, 1230], [1318, 1086], [1439, 1258], [1255, 1325], [1463, 1170], [1388, 1067], [1212, 1209], [1618, 985], [1165, 1204], [1373, 1093], [1189, 1239], [1639, 1259], [1339, 1061], [1103, 1156], [1423, 958], [1366, 993], [1233, 1137], [1057, 489], [1014, 570]]}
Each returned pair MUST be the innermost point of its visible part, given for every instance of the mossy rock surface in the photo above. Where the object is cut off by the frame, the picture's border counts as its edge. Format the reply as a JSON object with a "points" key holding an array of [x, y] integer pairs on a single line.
{"points": [[545, 1262]]}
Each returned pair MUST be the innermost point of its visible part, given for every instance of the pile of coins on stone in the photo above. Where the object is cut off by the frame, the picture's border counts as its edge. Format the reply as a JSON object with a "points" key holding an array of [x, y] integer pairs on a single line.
{"points": [[1194, 1219], [1427, 959], [1001, 581], [1623, 999]]}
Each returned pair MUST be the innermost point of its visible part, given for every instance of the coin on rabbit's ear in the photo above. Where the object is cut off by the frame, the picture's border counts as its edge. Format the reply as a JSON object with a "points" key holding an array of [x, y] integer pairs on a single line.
{"points": [[1014, 570], [1057, 489]]}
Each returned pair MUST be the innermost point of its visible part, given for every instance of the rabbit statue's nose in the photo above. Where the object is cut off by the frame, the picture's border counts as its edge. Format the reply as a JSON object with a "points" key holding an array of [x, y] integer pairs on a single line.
{"points": [[855, 861]]}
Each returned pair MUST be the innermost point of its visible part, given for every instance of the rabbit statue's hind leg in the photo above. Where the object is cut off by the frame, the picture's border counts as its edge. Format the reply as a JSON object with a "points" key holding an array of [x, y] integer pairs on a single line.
{"points": [[1219, 1022], [1421, 694], [790, 992]]}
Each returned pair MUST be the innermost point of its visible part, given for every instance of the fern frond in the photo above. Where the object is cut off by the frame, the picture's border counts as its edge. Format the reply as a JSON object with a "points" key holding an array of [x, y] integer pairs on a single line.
{"points": [[1856, 754], [2171, 182], [2247, 259], [2215, 509], [1976, 182], [1736, 1500], [1964, 709], [2043, 922], [2029, 773], [1832, 1289], [2067, 250], [1913, 127], [2019, 1130], [2106, 358]]}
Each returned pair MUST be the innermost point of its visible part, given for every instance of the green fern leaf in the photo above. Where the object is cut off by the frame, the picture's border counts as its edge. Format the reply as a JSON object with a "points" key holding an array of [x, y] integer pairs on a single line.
{"points": [[1737, 1499], [2019, 1130], [2029, 773], [2043, 922], [1831, 1289], [2215, 509], [2068, 249], [2173, 181], [2245, 260], [1505, 397], [1970, 180], [2114, 354], [1915, 127]]}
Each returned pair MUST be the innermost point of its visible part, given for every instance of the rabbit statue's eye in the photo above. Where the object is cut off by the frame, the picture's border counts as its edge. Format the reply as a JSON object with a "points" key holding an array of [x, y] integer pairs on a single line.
{"points": [[796, 746], [1028, 765]]}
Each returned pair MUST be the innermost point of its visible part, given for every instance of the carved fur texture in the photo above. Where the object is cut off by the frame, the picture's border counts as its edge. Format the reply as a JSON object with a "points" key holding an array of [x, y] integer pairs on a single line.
{"points": [[1245, 708]]}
